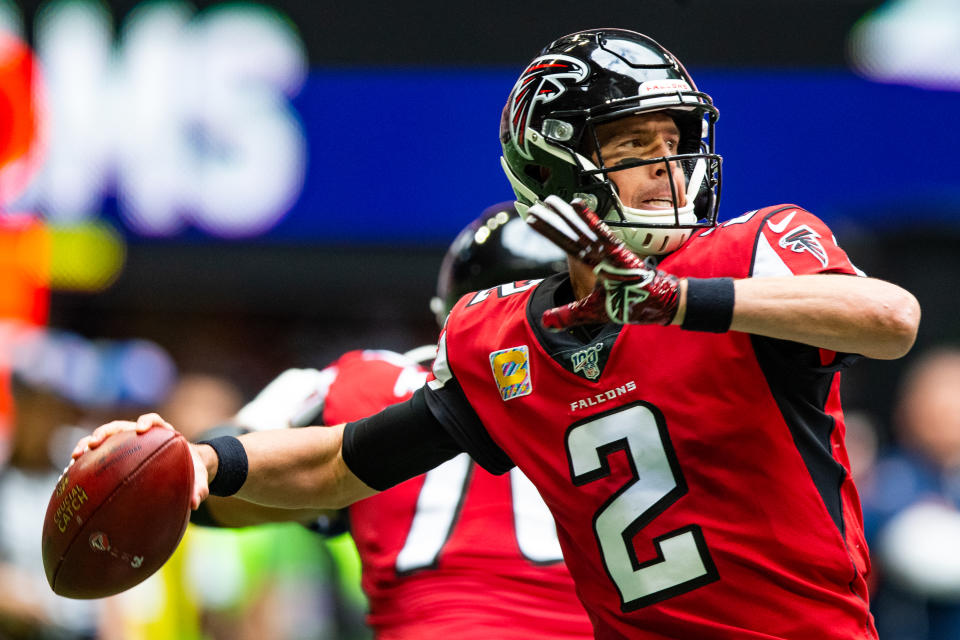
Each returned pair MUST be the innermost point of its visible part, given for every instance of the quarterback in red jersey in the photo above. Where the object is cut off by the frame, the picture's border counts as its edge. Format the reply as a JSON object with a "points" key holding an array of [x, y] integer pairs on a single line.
{"points": [[674, 398], [660, 542]]}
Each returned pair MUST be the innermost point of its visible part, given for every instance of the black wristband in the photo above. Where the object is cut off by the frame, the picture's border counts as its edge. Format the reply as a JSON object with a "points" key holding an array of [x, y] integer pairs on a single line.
{"points": [[232, 466], [709, 305]]}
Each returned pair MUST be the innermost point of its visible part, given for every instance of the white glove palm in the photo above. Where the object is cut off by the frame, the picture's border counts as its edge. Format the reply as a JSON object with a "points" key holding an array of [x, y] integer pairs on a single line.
{"points": [[292, 399]]}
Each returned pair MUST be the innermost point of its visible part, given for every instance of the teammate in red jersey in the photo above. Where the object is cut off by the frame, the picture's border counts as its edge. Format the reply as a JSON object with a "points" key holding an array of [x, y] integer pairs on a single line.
{"points": [[457, 552], [674, 398]]}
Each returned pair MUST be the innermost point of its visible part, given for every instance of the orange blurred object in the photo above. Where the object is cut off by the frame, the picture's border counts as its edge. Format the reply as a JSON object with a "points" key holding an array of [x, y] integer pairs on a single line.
{"points": [[24, 294], [21, 122], [24, 269]]}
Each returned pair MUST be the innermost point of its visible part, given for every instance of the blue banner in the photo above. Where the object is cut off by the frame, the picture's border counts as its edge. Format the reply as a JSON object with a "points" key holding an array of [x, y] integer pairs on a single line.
{"points": [[406, 157]]}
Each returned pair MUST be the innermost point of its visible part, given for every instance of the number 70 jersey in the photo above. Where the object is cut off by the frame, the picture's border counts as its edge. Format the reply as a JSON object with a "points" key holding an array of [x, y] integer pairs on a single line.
{"points": [[456, 552], [699, 481]]}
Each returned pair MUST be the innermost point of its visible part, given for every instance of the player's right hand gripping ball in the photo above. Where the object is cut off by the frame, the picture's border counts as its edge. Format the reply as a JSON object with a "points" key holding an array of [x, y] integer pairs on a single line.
{"points": [[117, 513], [627, 291]]}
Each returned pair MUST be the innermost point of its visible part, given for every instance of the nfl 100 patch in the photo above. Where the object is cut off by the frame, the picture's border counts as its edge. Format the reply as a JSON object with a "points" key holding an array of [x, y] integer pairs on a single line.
{"points": [[587, 361], [511, 370]]}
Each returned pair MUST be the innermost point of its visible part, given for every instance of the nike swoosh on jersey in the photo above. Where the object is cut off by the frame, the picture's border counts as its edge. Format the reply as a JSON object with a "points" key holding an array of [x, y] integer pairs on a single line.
{"points": [[779, 227]]}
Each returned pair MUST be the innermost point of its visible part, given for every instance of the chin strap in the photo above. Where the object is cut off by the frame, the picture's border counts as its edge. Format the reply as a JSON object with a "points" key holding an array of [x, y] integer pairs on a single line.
{"points": [[693, 187]]}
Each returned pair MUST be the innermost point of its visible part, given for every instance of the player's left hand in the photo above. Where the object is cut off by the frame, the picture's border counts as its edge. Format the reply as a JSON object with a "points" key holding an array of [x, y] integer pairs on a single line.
{"points": [[627, 291]]}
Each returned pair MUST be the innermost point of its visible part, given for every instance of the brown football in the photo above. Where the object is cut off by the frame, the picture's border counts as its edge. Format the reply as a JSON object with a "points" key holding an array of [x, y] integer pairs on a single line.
{"points": [[117, 513]]}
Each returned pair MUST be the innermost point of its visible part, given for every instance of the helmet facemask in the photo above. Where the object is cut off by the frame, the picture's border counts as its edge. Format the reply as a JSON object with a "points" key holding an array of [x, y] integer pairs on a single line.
{"points": [[657, 231]]}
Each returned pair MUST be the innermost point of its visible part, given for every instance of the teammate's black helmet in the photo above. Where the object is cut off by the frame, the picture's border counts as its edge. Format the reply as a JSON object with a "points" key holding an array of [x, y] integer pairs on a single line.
{"points": [[548, 135], [496, 248]]}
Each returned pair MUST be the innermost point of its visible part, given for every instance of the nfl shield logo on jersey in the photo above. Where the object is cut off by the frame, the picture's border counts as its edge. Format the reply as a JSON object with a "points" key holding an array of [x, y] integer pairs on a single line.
{"points": [[511, 370], [586, 361]]}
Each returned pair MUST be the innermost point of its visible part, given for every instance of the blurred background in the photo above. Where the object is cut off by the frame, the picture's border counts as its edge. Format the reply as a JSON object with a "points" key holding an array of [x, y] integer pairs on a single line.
{"points": [[199, 195]]}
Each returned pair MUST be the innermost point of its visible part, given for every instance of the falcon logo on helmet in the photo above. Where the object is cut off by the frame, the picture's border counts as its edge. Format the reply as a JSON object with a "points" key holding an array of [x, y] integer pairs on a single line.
{"points": [[541, 81], [803, 238]]}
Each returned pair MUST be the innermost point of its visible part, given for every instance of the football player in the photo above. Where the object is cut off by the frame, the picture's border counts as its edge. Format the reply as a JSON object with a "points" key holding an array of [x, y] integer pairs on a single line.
{"points": [[457, 552], [674, 397]]}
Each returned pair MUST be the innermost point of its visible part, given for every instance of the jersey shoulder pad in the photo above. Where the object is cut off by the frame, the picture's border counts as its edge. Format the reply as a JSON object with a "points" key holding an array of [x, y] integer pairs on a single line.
{"points": [[367, 381], [792, 241], [786, 240], [493, 301]]}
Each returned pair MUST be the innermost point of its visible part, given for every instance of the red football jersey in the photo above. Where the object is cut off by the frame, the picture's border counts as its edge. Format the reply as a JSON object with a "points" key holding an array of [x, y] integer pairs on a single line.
{"points": [[699, 481], [457, 552]]}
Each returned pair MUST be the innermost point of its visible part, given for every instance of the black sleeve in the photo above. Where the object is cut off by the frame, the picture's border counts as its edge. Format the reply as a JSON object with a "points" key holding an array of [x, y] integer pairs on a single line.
{"points": [[399, 443], [450, 406], [799, 358]]}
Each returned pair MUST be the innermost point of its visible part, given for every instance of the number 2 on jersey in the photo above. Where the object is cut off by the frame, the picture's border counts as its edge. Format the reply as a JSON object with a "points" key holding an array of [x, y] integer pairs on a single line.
{"points": [[682, 562]]}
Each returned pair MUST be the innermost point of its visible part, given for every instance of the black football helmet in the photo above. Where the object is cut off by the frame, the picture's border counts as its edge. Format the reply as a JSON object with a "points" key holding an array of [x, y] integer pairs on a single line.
{"points": [[496, 248], [548, 132]]}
